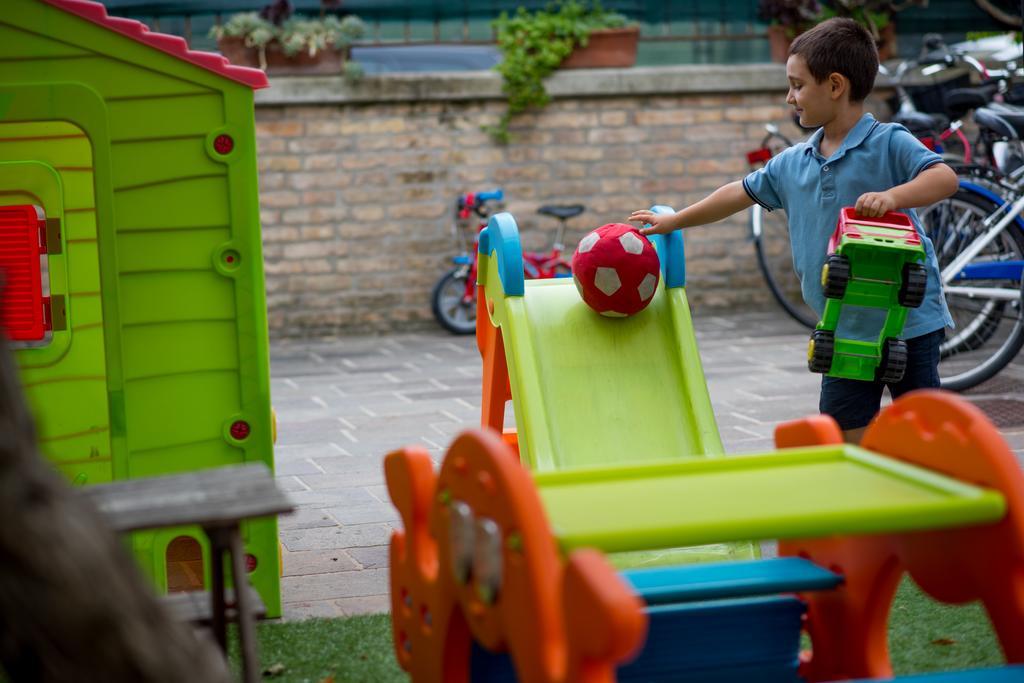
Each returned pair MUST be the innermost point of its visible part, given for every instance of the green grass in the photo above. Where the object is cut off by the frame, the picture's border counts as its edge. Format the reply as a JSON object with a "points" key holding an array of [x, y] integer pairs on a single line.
{"points": [[928, 636], [923, 636], [352, 650]]}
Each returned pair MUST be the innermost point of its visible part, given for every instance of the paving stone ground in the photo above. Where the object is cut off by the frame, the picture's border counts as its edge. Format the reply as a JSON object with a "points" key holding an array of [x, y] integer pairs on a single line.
{"points": [[343, 404]]}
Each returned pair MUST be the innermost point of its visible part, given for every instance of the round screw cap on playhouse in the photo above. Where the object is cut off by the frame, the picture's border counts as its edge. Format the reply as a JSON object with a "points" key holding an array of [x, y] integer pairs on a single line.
{"points": [[616, 270]]}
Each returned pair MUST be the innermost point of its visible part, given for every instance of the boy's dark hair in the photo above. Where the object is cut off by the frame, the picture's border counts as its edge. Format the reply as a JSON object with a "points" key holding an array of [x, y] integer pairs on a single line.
{"points": [[840, 45]]}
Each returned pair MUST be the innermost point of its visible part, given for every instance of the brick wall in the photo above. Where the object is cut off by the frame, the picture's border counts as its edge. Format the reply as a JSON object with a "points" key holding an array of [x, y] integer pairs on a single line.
{"points": [[357, 187]]}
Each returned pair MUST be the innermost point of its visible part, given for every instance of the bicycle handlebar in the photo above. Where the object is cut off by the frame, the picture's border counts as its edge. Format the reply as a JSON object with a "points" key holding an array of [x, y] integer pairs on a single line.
{"points": [[935, 53], [477, 203]]}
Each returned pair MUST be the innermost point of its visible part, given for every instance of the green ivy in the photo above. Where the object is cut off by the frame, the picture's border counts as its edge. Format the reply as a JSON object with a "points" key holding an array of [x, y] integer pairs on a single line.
{"points": [[534, 44]]}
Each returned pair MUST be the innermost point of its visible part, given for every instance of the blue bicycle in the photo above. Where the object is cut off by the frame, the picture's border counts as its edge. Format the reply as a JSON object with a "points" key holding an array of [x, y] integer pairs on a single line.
{"points": [[978, 235]]}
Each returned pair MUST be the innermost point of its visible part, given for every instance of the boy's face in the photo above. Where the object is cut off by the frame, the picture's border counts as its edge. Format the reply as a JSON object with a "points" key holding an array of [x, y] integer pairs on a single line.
{"points": [[813, 101]]}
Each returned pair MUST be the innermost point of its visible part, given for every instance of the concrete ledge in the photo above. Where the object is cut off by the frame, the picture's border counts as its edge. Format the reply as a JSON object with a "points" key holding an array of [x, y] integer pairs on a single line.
{"points": [[486, 85]]}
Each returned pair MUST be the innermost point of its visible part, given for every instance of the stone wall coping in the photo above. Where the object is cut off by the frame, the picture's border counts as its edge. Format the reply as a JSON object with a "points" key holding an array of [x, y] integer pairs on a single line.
{"points": [[486, 85]]}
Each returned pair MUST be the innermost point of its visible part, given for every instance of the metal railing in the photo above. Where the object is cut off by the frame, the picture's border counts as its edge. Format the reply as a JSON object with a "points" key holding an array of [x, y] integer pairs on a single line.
{"points": [[672, 31]]}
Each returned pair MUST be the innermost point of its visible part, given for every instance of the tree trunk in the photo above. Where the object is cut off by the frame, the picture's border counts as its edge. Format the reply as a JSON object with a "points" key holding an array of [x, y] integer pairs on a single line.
{"points": [[73, 605]]}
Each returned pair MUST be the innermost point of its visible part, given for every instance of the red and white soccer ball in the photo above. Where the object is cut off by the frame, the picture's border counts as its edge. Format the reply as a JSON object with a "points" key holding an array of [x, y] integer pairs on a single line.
{"points": [[616, 270]]}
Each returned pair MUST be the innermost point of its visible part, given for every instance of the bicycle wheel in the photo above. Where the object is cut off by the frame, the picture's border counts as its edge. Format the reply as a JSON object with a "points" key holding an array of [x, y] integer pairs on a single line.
{"points": [[989, 331], [448, 302], [775, 258]]}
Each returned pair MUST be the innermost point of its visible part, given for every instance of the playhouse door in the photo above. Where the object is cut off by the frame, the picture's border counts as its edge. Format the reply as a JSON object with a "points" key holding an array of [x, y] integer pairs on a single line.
{"points": [[46, 168]]}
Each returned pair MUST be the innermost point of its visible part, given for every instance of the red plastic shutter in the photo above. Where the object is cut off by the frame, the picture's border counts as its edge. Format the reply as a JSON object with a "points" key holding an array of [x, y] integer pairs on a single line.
{"points": [[22, 315]]}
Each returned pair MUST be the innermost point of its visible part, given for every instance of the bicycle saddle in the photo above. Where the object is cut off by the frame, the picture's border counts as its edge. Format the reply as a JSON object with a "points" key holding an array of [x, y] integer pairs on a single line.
{"points": [[959, 101], [562, 211], [920, 123], [1002, 121]]}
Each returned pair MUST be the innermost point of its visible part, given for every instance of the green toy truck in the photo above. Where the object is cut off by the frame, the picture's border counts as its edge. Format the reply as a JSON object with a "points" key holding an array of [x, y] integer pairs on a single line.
{"points": [[874, 263]]}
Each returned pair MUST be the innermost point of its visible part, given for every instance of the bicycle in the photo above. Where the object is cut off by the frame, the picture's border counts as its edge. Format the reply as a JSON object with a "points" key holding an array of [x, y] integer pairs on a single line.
{"points": [[453, 300], [945, 108], [939, 125], [978, 235]]}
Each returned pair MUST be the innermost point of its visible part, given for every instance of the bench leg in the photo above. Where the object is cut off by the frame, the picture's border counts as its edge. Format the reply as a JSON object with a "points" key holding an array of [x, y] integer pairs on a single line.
{"points": [[243, 607], [218, 603]]}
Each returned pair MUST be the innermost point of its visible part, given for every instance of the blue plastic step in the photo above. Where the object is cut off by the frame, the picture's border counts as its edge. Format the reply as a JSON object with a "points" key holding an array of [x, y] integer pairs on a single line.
{"points": [[1001, 674], [688, 583], [749, 639], [726, 641]]}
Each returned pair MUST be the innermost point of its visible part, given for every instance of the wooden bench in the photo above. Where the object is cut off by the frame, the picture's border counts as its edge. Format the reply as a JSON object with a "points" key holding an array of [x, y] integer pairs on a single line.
{"points": [[194, 607], [216, 500]]}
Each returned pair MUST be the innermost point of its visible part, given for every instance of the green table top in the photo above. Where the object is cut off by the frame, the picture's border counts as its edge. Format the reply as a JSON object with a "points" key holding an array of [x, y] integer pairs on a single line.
{"points": [[794, 493]]}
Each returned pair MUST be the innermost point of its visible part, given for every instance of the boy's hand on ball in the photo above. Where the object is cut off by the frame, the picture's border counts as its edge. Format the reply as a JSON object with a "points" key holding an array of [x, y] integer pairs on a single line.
{"points": [[874, 204], [659, 223]]}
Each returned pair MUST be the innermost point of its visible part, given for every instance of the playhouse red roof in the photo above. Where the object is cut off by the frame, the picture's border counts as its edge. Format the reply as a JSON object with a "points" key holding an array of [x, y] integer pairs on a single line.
{"points": [[172, 45]]}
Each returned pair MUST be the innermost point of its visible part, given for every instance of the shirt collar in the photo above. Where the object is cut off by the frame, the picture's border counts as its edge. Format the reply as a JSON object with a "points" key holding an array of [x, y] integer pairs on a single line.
{"points": [[857, 135]]}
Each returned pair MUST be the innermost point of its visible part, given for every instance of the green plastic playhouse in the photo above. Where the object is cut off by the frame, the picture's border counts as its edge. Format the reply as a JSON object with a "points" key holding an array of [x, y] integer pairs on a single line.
{"points": [[872, 263], [137, 157]]}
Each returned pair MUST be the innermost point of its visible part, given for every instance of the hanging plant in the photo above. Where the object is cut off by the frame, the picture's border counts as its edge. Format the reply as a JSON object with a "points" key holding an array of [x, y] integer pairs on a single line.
{"points": [[534, 44]]}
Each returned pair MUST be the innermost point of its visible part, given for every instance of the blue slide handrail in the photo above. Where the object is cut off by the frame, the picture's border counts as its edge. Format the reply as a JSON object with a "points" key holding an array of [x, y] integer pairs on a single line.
{"points": [[671, 251], [502, 235]]}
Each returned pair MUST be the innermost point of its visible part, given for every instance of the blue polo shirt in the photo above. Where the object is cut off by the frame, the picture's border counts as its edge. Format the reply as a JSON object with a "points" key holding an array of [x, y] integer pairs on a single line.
{"points": [[874, 157]]}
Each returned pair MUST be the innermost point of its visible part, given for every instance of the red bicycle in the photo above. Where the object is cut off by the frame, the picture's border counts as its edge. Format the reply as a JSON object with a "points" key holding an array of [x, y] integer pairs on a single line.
{"points": [[453, 300]]}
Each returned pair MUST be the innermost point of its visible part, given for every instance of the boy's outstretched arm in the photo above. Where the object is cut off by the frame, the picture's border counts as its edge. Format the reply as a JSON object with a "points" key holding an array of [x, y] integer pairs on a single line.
{"points": [[722, 203], [932, 184]]}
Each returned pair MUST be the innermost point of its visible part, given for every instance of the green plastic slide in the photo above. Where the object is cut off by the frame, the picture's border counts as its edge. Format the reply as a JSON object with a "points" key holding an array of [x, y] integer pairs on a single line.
{"points": [[594, 391], [793, 493]]}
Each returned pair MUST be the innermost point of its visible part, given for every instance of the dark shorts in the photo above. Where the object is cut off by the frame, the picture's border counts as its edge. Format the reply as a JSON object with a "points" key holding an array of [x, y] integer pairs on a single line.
{"points": [[854, 403]]}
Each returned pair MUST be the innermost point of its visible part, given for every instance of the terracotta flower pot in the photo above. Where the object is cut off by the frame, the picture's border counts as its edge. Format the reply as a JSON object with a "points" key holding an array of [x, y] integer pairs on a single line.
{"points": [[780, 38], [607, 48], [327, 61], [778, 43], [887, 41], [235, 49]]}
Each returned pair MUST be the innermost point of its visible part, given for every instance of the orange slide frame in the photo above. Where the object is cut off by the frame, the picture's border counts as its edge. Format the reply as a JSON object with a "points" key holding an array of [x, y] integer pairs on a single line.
{"points": [[561, 620], [940, 431], [496, 390], [572, 618]]}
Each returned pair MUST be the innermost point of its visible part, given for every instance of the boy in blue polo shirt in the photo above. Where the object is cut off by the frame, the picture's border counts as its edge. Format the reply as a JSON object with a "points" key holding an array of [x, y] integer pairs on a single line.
{"points": [[851, 160]]}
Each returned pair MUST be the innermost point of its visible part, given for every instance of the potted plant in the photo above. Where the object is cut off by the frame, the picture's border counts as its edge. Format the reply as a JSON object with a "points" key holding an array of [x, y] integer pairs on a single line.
{"points": [[278, 42], [786, 20], [534, 44], [875, 15]]}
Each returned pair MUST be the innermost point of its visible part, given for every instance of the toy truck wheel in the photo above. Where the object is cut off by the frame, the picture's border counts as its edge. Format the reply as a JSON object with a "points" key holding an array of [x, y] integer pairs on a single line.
{"points": [[915, 280], [894, 361], [820, 350], [835, 275]]}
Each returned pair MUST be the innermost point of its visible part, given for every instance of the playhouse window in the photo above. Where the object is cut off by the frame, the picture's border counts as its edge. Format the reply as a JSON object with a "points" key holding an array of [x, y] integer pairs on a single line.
{"points": [[25, 310], [184, 565]]}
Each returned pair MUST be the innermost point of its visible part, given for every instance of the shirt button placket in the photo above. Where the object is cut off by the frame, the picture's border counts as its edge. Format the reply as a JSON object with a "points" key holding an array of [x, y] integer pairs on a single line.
{"points": [[828, 185]]}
